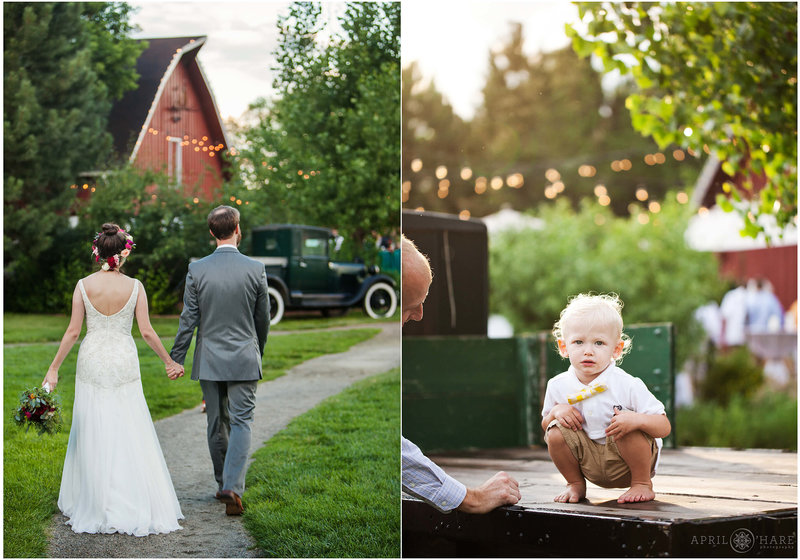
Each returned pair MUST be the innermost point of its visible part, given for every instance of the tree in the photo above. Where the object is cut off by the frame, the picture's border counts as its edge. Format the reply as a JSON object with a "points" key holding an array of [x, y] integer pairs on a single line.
{"points": [[326, 152], [433, 136], [713, 76], [64, 63], [547, 128]]}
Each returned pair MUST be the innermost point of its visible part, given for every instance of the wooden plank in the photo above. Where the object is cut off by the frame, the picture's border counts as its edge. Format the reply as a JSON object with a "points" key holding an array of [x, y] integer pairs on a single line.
{"points": [[691, 483]]}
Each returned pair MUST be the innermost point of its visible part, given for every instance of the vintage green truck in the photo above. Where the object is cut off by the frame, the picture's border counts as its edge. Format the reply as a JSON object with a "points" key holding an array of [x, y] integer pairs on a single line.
{"points": [[301, 274]]}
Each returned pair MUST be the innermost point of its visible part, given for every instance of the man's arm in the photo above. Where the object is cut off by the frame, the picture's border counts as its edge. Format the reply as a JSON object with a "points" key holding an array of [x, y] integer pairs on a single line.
{"points": [[426, 480], [261, 312], [190, 318]]}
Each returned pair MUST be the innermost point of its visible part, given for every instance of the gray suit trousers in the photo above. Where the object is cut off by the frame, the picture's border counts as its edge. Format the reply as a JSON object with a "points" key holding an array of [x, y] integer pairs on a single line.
{"points": [[229, 406]]}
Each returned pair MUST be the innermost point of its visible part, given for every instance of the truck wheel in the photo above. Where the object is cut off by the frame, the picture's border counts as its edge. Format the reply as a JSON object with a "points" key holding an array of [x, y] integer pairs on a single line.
{"points": [[380, 301], [276, 305]]}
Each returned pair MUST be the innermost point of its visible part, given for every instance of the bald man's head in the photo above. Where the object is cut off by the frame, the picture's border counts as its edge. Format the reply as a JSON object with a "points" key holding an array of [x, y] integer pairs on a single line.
{"points": [[417, 277]]}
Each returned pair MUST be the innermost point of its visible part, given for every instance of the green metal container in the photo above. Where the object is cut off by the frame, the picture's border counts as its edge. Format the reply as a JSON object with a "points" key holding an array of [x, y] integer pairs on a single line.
{"points": [[462, 392]]}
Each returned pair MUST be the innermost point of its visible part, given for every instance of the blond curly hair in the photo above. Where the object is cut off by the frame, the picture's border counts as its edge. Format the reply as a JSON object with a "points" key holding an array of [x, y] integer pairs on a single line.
{"points": [[602, 310]]}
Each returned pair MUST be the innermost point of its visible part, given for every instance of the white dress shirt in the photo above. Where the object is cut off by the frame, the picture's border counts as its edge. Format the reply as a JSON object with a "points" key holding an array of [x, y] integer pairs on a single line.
{"points": [[623, 390], [426, 480]]}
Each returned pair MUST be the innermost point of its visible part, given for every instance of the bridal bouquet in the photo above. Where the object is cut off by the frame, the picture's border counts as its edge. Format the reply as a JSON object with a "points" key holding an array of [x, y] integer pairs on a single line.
{"points": [[39, 408]]}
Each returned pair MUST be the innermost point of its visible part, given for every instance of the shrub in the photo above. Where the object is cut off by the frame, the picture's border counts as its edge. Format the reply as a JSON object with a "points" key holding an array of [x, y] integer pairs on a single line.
{"points": [[730, 374], [658, 277], [767, 421]]}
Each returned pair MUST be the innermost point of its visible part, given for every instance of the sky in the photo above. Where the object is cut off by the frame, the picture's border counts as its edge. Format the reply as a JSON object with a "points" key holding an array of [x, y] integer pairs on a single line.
{"points": [[237, 55], [450, 39]]}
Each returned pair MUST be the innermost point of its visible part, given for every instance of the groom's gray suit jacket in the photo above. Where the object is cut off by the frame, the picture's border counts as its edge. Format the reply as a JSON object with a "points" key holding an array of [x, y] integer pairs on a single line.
{"points": [[226, 300]]}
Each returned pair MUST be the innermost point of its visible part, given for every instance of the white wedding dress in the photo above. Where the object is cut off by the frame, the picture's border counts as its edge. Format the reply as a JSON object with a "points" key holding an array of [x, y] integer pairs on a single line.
{"points": [[115, 479]]}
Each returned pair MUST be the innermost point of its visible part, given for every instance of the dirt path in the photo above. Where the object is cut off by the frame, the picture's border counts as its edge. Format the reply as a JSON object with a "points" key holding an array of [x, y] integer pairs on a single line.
{"points": [[207, 531]]}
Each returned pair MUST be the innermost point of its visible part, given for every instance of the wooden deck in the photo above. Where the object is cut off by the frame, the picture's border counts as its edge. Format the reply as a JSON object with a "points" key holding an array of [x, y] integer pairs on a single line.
{"points": [[709, 502]]}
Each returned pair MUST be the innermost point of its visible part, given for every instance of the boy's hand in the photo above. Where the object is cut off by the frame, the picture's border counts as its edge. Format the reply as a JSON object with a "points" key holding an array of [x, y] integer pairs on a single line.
{"points": [[568, 416], [622, 423]]}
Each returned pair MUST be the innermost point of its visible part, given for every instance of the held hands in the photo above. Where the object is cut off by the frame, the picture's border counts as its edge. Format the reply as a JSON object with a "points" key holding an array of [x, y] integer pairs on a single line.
{"points": [[500, 490], [568, 416], [622, 423], [174, 369], [51, 379]]}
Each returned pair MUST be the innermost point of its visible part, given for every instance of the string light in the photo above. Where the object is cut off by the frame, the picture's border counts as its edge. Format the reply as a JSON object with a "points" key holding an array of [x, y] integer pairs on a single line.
{"points": [[515, 181], [552, 175], [441, 172], [466, 174], [496, 183], [464, 215], [416, 165]]}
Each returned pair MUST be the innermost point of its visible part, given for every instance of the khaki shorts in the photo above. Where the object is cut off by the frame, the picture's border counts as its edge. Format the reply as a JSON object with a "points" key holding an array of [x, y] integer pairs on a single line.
{"points": [[600, 463]]}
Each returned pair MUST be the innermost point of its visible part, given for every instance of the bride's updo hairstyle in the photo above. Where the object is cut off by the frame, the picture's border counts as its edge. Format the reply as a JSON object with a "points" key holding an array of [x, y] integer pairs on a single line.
{"points": [[110, 242], [111, 246]]}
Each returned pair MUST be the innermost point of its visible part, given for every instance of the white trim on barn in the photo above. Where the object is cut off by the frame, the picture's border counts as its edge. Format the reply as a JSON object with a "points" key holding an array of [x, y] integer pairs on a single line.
{"points": [[190, 46]]}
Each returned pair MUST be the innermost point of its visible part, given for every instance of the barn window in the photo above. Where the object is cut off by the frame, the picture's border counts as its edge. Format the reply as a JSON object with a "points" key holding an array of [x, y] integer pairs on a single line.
{"points": [[175, 160]]}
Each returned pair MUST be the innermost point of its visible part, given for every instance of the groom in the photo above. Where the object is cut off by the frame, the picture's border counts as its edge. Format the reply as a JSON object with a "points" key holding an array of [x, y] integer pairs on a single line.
{"points": [[226, 300]]}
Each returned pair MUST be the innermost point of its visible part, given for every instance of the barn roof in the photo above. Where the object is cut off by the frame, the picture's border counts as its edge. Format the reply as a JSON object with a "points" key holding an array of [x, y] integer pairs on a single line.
{"points": [[130, 115]]}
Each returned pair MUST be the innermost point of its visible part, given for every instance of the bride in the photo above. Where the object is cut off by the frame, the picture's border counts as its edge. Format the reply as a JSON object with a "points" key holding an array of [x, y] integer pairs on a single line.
{"points": [[115, 479]]}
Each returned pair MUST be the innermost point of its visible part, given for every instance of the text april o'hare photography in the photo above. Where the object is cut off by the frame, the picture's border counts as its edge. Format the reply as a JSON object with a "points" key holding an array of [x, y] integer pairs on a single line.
{"points": [[115, 479], [225, 299], [601, 424]]}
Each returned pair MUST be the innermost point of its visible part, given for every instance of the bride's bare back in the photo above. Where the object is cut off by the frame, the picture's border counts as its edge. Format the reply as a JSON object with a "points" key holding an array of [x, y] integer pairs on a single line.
{"points": [[108, 291]]}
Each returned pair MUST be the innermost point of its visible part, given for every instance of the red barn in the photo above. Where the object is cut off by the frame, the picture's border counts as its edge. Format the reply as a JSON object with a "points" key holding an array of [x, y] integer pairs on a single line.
{"points": [[171, 122], [740, 257]]}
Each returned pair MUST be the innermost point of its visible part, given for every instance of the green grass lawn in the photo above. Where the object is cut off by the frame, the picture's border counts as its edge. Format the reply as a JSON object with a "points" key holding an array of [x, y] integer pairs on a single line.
{"points": [[32, 464], [24, 328], [328, 485]]}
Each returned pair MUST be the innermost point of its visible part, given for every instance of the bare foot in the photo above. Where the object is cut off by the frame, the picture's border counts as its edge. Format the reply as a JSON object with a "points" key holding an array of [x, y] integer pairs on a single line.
{"points": [[638, 493], [575, 492]]}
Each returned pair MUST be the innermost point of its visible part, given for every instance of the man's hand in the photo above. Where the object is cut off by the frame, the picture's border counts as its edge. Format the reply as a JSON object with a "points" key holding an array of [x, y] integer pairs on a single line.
{"points": [[568, 416], [500, 490], [622, 423]]}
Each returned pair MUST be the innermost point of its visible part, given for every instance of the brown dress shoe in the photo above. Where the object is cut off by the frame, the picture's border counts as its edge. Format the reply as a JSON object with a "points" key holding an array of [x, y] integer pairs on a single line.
{"points": [[233, 503], [218, 495]]}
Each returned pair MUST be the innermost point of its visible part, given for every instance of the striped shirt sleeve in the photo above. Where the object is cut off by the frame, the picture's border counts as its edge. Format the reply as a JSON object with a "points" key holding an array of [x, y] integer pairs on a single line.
{"points": [[427, 481]]}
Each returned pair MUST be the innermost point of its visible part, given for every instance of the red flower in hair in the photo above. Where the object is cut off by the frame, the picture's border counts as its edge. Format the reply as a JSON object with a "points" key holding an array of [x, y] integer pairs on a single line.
{"points": [[111, 262]]}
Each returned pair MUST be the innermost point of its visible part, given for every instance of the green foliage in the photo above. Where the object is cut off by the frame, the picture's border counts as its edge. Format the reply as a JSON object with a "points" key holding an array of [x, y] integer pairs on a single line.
{"points": [[533, 273], [527, 124], [59, 62], [325, 153], [767, 421], [730, 374], [715, 74], [168, 227], [327, 486]]}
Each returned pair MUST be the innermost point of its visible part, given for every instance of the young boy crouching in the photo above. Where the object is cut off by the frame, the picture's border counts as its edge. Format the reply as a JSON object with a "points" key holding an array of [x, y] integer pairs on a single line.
{"points": [[601, 424]]}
